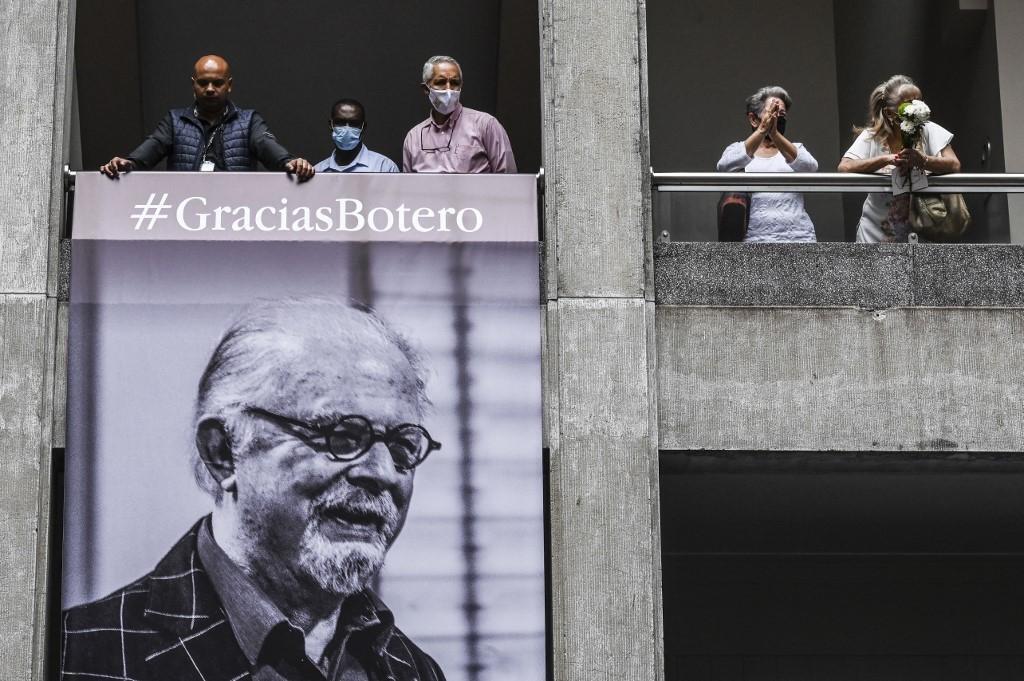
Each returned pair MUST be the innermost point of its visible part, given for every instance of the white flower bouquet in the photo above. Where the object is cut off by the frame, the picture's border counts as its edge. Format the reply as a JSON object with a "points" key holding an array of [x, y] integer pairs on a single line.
{"points": [[912, 116]]}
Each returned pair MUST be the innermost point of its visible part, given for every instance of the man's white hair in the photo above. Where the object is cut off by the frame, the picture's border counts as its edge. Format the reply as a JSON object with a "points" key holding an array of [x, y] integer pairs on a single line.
{"points": [[428, 66], [247, 367]]}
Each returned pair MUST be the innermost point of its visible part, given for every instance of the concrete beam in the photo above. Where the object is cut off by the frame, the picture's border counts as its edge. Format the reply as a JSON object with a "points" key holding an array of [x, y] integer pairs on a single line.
{"points": [[595, 147], [60, 375], [26, 369], [34, 58], [34, 66], [605, 533], [841, 275], [605, 540], [917, 379]]}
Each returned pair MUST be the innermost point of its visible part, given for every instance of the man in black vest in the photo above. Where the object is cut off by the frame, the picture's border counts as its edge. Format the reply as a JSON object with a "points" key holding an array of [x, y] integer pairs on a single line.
{"points": [[212, 134]]}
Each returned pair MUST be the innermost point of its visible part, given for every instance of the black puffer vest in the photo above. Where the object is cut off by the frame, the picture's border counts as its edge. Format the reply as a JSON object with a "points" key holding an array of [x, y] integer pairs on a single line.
{"points": [[187, 151]]}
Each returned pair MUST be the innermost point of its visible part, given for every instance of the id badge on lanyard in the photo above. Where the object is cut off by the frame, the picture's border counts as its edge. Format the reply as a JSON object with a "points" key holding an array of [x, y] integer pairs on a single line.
{"points": [[208, 166]]}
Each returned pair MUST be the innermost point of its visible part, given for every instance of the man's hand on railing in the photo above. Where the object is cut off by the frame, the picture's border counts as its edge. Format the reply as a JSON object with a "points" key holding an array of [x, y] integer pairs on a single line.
{"points": [[300, 168], [116, 166]]}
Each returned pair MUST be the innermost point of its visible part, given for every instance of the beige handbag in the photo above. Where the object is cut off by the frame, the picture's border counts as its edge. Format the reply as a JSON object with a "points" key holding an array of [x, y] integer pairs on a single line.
{"points": [[939, 217]]}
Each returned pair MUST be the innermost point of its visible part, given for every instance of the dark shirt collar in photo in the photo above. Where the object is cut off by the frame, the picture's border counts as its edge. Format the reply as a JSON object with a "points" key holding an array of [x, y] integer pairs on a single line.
{"points": [[273, 645]]}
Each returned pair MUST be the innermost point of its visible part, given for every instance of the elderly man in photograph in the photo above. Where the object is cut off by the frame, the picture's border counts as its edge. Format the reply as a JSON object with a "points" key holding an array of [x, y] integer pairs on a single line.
{"points": [[308, 432], [212, 134], [454, 138]]}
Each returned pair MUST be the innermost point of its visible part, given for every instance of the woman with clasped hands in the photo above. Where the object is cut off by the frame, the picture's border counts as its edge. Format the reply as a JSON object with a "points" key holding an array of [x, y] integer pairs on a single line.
{"points": [[879, 149], [774, 216]]}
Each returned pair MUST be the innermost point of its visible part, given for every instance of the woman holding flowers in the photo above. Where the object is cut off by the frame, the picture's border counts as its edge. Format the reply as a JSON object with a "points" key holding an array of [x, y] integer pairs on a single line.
{"points": [[773, 216], [898, 136]]}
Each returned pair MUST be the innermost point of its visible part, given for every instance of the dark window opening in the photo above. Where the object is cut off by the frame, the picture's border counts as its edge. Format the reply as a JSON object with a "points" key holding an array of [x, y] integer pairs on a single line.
{"points": [[842, 566]]}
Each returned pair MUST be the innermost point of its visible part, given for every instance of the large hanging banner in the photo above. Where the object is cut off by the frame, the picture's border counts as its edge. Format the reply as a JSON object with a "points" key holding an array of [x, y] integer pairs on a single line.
{"points": [[304, 429]]}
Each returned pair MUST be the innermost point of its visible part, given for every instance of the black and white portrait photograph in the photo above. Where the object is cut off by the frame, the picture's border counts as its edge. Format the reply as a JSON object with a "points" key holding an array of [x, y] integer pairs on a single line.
{"points": [[314, 460]]}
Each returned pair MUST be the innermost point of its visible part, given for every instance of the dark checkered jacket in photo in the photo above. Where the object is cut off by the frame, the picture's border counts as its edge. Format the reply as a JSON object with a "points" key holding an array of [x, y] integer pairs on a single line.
{"points": [[170, 626]]}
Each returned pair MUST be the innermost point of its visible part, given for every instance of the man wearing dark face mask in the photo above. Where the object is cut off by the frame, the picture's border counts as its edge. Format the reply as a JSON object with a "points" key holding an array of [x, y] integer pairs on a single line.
{"points": [[348, 129], [212, 134], [454, 138]]}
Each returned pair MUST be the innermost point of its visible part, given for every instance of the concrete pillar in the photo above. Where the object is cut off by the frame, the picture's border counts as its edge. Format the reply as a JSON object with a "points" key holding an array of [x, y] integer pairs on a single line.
{"points": [[1009, 22], [33, 63], [605, 547]]}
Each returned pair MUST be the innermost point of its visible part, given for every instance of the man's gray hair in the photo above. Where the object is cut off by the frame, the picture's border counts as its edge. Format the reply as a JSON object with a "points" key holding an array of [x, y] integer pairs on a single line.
{"points": [[755, 102], [428, 66], [247, 367]]}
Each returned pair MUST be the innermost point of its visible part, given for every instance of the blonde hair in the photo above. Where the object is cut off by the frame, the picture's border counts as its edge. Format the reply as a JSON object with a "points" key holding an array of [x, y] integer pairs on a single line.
{"points": [[886, 95]]}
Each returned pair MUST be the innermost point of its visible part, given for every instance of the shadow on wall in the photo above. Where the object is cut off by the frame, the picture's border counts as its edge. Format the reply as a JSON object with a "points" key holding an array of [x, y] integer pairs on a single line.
{"points": [[292, 65]]}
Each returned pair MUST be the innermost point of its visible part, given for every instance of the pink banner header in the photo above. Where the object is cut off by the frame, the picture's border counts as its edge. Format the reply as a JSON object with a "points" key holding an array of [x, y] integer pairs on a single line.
{"points": [[165, 206]]}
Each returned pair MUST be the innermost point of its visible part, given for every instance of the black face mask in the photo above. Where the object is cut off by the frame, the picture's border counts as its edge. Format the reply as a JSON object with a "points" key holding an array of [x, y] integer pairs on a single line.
{"points": [[781, 125]]}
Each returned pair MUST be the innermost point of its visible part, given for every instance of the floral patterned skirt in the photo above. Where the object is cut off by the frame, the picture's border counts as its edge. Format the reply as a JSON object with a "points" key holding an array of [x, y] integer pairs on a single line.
{"points": [[896, 225]]}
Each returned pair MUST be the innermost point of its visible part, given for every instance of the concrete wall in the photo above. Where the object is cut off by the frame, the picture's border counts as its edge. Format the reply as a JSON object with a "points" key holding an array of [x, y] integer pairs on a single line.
{"points": [[605, 542], [848, 347], [34, 111], [906, 379]]}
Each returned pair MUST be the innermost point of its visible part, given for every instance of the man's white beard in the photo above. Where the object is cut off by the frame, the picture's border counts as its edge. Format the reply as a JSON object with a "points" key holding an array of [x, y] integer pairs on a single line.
{"points": [[337, 567], [340, 567]]}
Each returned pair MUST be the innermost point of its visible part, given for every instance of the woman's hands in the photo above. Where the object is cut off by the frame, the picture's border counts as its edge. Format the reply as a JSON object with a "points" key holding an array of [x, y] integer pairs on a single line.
{"points": [[767, 128], [909, 158], [866, 165], [945, 162], [769, 122]]}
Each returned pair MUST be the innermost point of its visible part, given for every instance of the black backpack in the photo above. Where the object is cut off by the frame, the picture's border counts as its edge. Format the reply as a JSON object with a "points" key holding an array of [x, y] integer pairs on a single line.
{"points": [[733, 215]]}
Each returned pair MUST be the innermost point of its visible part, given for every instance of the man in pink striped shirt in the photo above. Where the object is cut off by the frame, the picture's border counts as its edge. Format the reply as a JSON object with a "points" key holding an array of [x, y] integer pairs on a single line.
{"points": [[454, 138]]}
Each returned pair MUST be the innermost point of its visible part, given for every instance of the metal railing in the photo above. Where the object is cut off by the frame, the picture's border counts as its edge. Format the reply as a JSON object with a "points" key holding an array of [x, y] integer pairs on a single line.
{"points": [[983, 183], [69, 180]]}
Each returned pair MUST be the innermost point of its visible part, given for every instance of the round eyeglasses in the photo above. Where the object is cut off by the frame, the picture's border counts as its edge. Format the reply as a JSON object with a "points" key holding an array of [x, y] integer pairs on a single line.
{"points": [[352, 435]]}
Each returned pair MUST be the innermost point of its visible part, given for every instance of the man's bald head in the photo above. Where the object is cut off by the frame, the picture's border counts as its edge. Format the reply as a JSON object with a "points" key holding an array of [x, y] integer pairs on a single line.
{"points": [[211, 62], [211, 85]]}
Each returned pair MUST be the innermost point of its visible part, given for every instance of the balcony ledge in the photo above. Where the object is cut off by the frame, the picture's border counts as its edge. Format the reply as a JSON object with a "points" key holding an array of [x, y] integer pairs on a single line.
{"points": [[872, 276]]}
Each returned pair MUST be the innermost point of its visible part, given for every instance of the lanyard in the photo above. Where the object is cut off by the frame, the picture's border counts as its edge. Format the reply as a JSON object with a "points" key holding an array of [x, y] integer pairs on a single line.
{"points": [[213, 138], [213, 134]]}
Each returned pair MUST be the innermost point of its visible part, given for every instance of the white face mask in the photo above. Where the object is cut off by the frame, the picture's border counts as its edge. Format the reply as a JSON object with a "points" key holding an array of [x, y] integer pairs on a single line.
{"points": [[444, 101]]}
